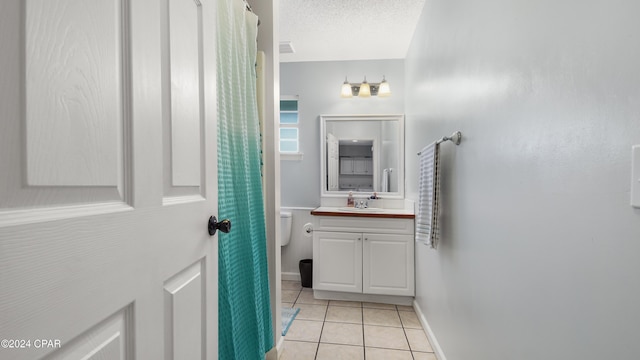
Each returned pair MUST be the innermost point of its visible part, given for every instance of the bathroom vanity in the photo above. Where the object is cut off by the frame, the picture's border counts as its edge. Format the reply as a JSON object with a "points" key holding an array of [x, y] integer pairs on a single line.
{"points": [[363, 254]]}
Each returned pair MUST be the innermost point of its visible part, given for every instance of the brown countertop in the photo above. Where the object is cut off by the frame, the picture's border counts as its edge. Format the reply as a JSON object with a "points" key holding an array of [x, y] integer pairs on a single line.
{"points": [[382, 213]]}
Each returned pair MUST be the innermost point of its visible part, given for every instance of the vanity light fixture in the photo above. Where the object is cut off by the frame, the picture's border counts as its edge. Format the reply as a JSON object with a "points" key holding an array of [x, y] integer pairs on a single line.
{"points": [[346, 89], [365, 89], [384, 89]]}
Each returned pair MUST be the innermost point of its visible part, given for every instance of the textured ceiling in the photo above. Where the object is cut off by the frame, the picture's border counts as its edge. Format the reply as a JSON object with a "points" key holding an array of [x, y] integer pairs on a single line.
{"points": [[328, 30]]}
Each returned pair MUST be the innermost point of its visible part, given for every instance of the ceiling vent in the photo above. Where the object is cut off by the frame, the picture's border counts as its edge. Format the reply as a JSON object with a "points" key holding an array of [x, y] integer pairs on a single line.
{"points": [[286, 47]]}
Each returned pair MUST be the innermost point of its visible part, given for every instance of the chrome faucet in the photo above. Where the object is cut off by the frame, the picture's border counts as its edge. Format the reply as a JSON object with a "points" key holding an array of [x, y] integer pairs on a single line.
{"points": [[362, 204]]}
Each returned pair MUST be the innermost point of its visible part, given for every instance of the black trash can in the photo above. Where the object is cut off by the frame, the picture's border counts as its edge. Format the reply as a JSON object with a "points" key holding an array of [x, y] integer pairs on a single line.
{"points": [[306, 272]]}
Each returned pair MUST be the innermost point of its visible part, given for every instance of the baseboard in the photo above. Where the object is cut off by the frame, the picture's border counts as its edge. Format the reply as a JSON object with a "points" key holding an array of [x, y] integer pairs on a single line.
{"points": [[291, 276], [272, 354], [280, 347], [430, 335], [276, 352], [345, 296]]}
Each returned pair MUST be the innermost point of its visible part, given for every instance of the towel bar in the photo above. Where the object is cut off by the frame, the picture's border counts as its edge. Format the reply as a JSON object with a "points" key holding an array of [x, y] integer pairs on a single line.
{"points": [[456, 137]]}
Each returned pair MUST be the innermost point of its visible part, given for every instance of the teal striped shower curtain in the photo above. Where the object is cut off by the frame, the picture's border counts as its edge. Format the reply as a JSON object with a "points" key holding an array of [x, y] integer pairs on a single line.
{"points": [[244, 315]]}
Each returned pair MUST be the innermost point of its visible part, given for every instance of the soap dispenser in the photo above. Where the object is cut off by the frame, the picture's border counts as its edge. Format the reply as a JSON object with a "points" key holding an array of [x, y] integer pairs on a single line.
{"points": [[350, 201]]}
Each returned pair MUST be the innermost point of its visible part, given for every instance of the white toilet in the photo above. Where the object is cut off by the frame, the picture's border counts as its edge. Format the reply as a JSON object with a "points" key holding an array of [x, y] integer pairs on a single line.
{"points": [[285, 227]]}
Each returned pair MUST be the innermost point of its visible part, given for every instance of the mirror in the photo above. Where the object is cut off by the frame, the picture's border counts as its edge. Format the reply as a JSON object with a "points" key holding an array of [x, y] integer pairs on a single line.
{"points": [[362, 154]]}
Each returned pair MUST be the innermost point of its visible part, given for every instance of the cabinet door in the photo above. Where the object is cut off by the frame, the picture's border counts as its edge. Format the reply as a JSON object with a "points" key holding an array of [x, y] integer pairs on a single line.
{"points": [[359, 166], [362, 166], [368, 166], [346, 166], [388, 265], [337, 261]]}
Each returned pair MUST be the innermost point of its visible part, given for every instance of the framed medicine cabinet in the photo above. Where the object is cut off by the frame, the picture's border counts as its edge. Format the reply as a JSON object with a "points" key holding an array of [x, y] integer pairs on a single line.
{"points": [[362, 154]]}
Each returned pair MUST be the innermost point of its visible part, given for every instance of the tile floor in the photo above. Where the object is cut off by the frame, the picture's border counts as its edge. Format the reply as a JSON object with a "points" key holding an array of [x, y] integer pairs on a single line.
{"points": [[349, 330]]}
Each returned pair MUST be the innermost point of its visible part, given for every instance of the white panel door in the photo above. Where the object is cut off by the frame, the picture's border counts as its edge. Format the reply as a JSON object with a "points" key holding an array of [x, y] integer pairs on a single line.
{"points": [[333, 156], [107, 179], [337, 264], [388, 264]]}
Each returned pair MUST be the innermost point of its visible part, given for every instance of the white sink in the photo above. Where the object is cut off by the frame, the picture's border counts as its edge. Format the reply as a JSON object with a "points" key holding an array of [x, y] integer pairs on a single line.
{"points": [[365, 210]]}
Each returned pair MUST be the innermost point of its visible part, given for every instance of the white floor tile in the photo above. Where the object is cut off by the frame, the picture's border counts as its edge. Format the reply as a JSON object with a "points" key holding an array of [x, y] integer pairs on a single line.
{"points": [[418, 340], [405, 308], [311, 312], [385, 337], [381, 317], [291, 285], [298, 350], [306, 297], [357, 304], [379, 306], [334, 329], [304, 330], [342, 333], [387, 354], [344, 314], [409, 320], [289, 295], [424, 356], [340, 352]]}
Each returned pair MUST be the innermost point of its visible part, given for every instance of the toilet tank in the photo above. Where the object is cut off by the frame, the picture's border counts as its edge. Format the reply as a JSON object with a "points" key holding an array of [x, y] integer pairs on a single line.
{"points": [[285, 227]]}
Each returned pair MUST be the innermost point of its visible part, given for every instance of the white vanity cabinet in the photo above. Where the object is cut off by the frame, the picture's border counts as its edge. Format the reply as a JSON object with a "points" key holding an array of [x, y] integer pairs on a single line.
{"points": [[363, 255], [387, 264], [337, 261]]}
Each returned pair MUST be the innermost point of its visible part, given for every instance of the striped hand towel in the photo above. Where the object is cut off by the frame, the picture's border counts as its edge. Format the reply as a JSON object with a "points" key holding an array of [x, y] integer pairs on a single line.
{"points": [[428, 189]]}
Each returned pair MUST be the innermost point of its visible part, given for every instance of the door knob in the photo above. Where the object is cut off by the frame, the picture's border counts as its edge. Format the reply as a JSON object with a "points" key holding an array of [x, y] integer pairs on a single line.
{"points": [[214, 225]]}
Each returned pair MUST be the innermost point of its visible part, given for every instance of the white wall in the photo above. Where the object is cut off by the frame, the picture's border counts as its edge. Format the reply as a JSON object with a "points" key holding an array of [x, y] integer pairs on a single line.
{"points": [[300, 247], [268, 41], [318, 86], [539, 251]]}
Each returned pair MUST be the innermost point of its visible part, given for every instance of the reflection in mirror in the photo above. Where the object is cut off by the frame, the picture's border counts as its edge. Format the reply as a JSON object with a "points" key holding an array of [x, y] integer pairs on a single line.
{"points": [[363, 154]]}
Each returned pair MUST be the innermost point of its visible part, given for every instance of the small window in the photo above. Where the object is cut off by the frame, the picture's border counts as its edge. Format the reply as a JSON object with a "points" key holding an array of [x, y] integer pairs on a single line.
{"points": [[289, 130]]}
